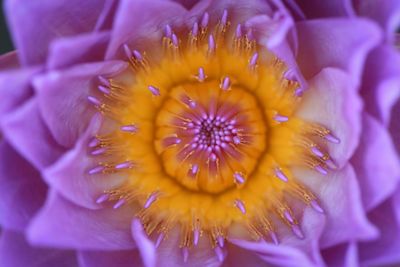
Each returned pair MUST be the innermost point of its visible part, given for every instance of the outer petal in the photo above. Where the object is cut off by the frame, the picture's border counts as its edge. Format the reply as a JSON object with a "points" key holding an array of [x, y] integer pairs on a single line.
{"points": [[22, 191], [381, 82], [385, 250], [120, 258], [63, 98], [335, 98], [15, 88], [83, 48], [340, 43], [385, 12], [169, 254], [16, 252], [69, 176], [376, 163], [39, 149], [340, 197], [64, 225], [148, 18], [35, 24]]}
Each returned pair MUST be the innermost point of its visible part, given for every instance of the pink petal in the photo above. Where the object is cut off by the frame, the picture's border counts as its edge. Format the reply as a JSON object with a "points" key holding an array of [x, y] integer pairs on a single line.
{"points": [[333, 101], [39, 149], [146, 248], [63, 98], [62, 224], [9, 61], [100, 258], [376, 163], [340, 43]]}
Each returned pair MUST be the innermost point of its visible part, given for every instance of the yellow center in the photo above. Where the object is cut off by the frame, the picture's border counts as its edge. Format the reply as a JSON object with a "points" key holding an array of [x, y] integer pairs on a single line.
{"points": [[206, 134]]}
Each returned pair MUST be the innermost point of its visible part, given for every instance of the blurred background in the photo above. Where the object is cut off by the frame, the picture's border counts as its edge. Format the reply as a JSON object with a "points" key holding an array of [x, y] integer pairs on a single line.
{"points": [[5, 41]]}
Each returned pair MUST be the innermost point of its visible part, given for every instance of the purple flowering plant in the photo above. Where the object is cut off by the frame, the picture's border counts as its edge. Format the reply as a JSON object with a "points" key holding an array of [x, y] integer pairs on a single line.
{"points": [[200, 133]]}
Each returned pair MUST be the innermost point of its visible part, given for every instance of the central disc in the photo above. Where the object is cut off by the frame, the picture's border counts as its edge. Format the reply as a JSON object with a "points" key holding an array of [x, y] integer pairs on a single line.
{"points": [[210, 138]]}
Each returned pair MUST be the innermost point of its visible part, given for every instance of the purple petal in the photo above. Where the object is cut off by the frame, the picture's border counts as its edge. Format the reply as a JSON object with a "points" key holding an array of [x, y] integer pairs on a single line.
{"points": [[340, 43], [39, 149], [35, 24], [63, 98], [146, 248], [239, 257], [16, 252], [385, 12], [340, 195], [322, 9], [376, 163], [147, 18], [381, 82], [119, 258], [83, 48], [345, 255], [395, 127], [69, 176], [338, 104], [62, 224], [22, 191]]}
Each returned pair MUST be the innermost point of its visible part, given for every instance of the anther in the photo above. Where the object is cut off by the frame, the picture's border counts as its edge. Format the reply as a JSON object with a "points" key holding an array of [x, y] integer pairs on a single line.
{"points": [[253, 60], [321, 170], [274, 238], [224, 18], [279, 174], [196, 236], [97, 169], [98, 151], [138, 56], [240, 205], [168, 31], [94, 100], [185, 254], [195, 29], [193, 170], [236, 140], [124, 165], [238, 32], [119, 203], [104, 89], [280, 118], [225, 84], [94, 142], [297, 231], [104, 81], [160, 238], [298, 92], [288, 216], [205, 20], [211, 44], [315, 150], [330, 164], [154, 90], [331, 138], [131, 128], [102, 198], [150, 200], [201, 75], [127, 51], [314, 204], [175, 40], [239, 178]]}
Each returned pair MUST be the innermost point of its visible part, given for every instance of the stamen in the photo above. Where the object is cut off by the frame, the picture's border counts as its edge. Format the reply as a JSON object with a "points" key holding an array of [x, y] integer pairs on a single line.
{"points": [[150, 200], [98, 151], [119, 203], [171, 141], [224, 18], [193, 170], [297, 231], [196, 236], [236, 140], [97, 169], [314, 204], [211, 44], [238, 32], [132, 128], [185, 254], [138, 56], [321, 170], [288, 216], [225, 84], [168, 31], [160, 238], [299, 92], [175, 40], [94, 101], [102, 198], [124, 165], [104, 81], [331, 164], [274, 238], [104, 89], [154, 90], [195, 29], [127, 51], [280, 118], [221, 241], [94, 142], [201, 76], [240, 205], [253, 60], [239, 178], [315, 150], [331, 138], [205, 20], [220, 254], [279, 174]]}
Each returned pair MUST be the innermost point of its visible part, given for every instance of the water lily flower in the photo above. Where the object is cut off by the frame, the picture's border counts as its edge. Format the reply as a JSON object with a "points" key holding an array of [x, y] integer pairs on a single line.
{"points": [[200, 133]]}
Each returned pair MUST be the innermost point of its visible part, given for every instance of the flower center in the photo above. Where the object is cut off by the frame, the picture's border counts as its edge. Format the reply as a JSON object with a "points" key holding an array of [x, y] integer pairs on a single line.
{"points": [[210, 139], [206, 134]]}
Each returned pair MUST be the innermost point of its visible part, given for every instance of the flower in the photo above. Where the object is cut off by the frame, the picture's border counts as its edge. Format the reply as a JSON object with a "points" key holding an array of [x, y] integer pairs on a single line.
{"points": [[205, 133]]}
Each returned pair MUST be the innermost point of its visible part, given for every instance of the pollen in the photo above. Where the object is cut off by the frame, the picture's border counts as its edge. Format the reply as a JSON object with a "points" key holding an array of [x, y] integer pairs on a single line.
{"points": [[203, 129]]}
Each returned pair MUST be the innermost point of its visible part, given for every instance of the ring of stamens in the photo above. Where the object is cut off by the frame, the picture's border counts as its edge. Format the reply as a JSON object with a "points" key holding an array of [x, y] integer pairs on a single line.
{"points": [[207, 136]]}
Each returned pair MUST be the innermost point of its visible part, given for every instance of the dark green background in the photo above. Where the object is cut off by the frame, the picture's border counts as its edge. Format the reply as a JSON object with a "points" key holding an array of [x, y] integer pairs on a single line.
{"points": [[5, 42]]}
